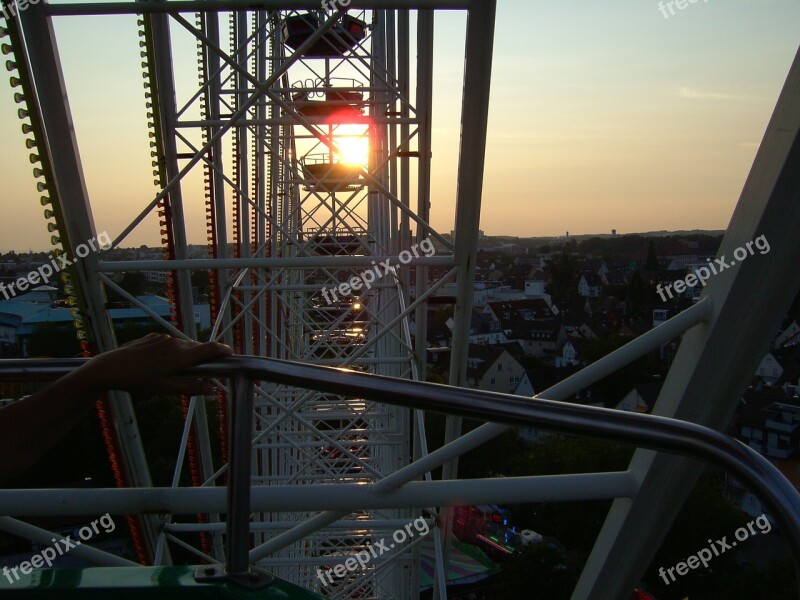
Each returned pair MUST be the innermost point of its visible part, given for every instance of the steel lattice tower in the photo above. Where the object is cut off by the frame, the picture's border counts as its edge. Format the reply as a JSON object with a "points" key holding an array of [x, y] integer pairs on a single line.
{"points": [[312, 130]]}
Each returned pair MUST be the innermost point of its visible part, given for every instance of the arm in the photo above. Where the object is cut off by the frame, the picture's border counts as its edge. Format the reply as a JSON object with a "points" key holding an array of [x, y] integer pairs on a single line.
{"points": [[32, 426]]}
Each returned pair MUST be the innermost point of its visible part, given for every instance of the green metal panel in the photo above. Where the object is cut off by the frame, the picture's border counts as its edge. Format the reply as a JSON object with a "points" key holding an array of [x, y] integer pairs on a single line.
{"points": [[129, 583]]}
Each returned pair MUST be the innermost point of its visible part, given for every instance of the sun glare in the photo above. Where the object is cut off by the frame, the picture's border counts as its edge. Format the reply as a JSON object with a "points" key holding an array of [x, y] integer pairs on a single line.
{"points": [[353, 150]]}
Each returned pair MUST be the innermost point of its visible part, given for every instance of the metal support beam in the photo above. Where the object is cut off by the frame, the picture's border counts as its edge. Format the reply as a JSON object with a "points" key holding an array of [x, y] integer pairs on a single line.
{"points": [[213, 6], [164, 81], [347, 497], [299, 262], [62, 146], [216, 189], [163, 77], [238, 492], [425, 29], [474, 122], [377, 524], [80, 550], [716, 361]]}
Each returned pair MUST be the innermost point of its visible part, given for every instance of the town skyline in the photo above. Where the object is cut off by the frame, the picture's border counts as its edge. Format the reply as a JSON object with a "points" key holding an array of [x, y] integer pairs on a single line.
{"points": [[544, 238]]}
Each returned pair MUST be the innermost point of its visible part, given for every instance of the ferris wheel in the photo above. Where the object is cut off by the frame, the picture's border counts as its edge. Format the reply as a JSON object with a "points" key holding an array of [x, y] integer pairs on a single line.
{"points": [[311, 130]]}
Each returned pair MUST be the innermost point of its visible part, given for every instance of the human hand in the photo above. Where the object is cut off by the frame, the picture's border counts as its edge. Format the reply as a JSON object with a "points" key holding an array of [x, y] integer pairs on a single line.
{"points": [[149, 364]]}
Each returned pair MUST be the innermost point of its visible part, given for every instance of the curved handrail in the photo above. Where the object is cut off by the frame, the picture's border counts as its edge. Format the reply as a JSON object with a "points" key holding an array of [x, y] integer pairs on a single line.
{"points": [[649, 431]]}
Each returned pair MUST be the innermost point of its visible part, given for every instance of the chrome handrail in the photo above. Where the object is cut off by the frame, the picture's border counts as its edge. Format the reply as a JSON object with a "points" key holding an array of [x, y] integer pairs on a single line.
{"points": [[648, 431]]}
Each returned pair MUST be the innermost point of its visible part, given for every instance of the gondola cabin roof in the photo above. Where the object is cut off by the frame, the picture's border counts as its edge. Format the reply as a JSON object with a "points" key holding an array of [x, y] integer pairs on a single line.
{"points": [[335, 42]]}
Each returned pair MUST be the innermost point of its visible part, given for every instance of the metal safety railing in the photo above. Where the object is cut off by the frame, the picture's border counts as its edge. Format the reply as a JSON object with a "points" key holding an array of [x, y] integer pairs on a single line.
{"points": [[398, 490]]}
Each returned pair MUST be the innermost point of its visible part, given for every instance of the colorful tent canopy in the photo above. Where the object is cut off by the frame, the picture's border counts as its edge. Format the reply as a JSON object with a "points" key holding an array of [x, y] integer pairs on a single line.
{"points": [[467, 564]]}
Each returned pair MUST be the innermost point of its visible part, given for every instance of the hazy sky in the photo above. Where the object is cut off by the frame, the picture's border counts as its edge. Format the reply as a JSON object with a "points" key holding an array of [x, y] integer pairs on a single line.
{"points": [[604, 115]]}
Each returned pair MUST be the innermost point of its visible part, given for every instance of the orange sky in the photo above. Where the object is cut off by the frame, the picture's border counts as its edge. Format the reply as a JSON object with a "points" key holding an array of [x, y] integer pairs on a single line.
{"points": [[604, 115]]}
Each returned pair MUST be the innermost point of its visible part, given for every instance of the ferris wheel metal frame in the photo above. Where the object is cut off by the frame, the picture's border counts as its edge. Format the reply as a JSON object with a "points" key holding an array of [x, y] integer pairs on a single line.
{"points": [[290, 233], [723, 332]]}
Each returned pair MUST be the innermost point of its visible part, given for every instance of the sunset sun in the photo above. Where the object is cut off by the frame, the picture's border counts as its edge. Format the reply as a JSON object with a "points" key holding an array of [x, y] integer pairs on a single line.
{"points": [[353, 150]]}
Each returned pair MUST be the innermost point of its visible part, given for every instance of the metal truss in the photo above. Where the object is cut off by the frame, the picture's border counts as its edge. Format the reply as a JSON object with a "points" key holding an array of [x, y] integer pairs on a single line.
{"points": [[309, 139]]}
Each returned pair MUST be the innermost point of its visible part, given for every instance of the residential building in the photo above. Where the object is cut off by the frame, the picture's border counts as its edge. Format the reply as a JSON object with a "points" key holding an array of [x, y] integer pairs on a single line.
{"points": [[661, 316], [541, 338], [770, 370], [156, 276], [589, 285], [615, 278], [512, 311], [493, 368], [768, 421], [571, 353], [535, 284], [489, 367], [484, 329], [642, 398], [787, 336], [20, 317]]}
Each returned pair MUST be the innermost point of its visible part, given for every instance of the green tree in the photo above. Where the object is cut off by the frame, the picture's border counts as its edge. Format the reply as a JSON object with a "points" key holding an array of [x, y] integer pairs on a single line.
{"points": [[499, 456], [53, 340], [200, 279], [652, 258], [160, 420], [641, 295], [134, 283], [619, 383], [706, 515], [574, 524], [754, 582], [562, 270], [79, 460], [433, 376], [127, 331], [539, 572], [530, 363]]}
